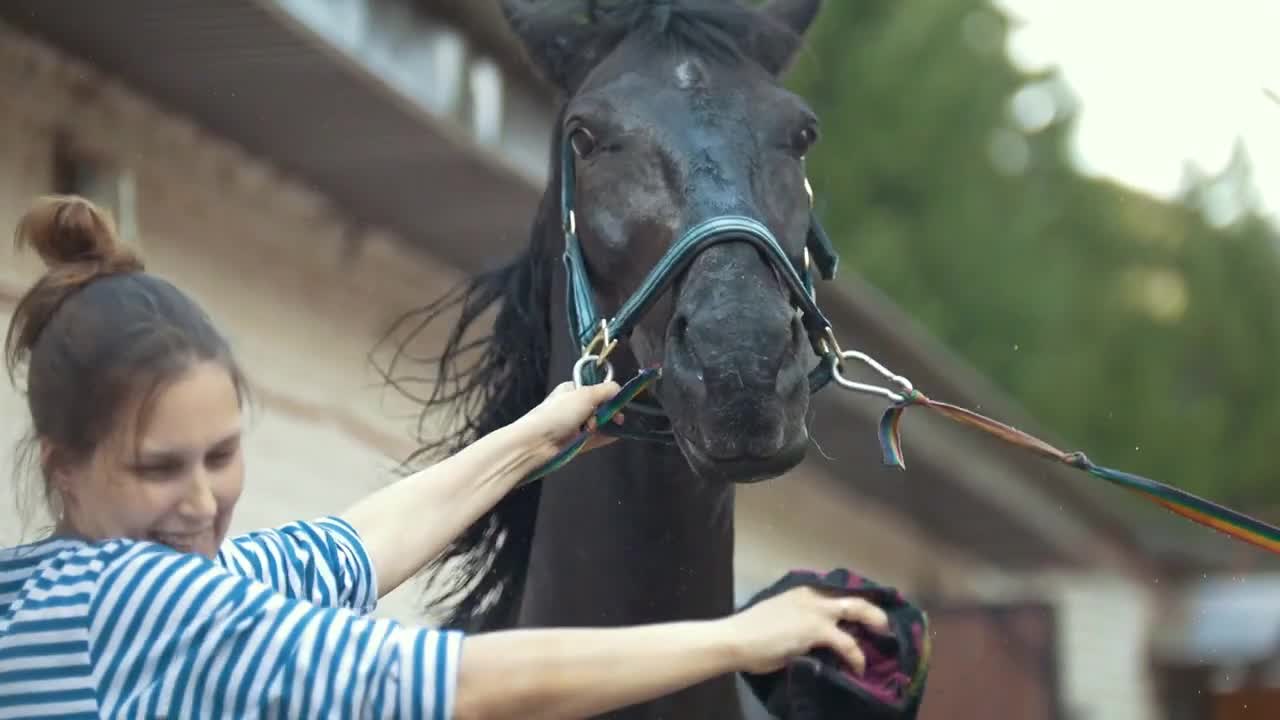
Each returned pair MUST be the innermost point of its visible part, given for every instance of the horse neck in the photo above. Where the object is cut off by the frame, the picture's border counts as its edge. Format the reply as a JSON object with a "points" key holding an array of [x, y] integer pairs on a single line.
{"points": [[627, 533]]}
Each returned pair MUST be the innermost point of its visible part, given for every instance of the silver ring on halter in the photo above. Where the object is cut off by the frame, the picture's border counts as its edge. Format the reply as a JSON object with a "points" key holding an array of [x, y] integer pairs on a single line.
{"points": [[582, 363]]}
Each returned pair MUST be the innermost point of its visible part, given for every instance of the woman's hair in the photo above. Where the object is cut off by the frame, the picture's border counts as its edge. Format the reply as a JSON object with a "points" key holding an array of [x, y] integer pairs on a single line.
{"points": [[96, 336]]}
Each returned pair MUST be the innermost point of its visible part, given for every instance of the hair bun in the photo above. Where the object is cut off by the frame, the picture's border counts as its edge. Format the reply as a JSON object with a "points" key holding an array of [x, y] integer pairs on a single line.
{"points": [[68, 229]]}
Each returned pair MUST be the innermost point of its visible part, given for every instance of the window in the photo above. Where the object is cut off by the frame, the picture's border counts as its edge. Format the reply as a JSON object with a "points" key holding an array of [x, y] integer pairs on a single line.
{"points": [[78, 171], [486, 101]]}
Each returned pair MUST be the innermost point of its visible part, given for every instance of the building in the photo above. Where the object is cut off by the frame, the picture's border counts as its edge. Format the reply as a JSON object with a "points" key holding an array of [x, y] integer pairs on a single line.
{"points": [[311, 169]]}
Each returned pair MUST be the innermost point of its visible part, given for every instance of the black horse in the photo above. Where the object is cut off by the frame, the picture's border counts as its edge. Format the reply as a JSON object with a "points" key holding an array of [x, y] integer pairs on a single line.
{"points": [[675, 113]]}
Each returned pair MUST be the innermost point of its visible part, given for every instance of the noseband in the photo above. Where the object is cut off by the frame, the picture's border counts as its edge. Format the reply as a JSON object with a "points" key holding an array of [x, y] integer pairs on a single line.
{"points": [[598, 335]]}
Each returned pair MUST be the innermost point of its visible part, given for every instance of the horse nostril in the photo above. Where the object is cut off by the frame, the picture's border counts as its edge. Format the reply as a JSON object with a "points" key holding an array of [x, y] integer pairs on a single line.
{"points": [[680, 330]]}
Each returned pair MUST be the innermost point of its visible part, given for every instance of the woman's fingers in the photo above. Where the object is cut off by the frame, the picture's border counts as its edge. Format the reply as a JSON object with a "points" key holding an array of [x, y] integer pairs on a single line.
{"points": [[844, 644], [867, 614], [560, 389], [853, 610], [593, 426], [598, 441], [603, 392]]}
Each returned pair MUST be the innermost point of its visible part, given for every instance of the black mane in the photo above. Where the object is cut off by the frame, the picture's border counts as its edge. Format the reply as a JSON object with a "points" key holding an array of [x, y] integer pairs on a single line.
{"points": [[491, 381], [484, 384]]}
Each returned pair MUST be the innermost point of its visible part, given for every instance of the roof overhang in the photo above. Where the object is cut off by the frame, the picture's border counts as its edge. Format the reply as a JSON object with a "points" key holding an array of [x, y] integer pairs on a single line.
{"points": [[359, 100], [346, 97]]}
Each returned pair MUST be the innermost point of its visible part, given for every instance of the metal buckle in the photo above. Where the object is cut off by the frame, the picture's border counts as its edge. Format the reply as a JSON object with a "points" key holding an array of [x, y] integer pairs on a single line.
{"points": [[601, 346], [599, 349]]}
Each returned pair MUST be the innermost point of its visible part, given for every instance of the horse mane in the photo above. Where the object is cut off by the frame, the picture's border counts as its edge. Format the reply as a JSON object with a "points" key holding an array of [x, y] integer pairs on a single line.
{"points": [[489, 382], [482, 384]]}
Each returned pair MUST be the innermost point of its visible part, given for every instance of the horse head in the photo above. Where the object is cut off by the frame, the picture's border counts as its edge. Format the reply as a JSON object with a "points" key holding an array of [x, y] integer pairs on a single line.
{"points": [[674, 117]]}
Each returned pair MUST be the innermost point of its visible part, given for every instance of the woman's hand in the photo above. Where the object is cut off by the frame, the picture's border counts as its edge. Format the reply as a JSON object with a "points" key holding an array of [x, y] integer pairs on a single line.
{"points": [[773, 631], [554, 673], [564, 413]]}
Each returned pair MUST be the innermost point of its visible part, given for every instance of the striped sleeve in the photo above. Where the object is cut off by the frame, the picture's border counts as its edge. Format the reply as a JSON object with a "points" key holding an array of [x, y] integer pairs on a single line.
{"points": [[323, 562], [173, 635]]}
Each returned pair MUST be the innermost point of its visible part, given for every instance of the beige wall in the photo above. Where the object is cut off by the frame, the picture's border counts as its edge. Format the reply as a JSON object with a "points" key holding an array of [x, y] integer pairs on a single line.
{"points": [[269, 260]]}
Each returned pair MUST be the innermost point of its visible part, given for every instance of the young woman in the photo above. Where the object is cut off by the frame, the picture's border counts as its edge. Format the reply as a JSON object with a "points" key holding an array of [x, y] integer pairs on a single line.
{"points": [[139, 606]]}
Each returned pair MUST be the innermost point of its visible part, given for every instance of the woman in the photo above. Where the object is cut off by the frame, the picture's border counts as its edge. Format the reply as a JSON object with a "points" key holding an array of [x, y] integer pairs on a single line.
{"points": [[138, 606]]}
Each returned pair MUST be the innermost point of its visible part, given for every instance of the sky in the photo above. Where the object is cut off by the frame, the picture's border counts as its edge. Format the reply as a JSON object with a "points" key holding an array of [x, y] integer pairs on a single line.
{"points": [[1162, 82]]}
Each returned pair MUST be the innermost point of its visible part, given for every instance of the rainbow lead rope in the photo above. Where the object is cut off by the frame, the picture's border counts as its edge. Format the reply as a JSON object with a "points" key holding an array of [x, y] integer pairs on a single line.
{"points": [[604, 415], [1195, 508]]}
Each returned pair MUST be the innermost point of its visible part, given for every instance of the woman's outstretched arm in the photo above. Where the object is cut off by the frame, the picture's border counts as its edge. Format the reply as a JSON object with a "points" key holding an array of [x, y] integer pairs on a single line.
{"points": [[408, 523], [550, 674], [573, 673], [205, 641]]}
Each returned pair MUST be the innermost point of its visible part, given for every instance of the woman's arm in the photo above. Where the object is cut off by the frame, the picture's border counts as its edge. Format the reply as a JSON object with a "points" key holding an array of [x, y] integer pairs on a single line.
{"points": [[576, 673], [172, 634], [322, 561], [406, 524]]}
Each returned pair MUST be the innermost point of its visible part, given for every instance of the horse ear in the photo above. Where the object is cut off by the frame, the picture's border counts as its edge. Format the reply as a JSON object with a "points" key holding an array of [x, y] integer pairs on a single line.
{"points": [[563, 48], [776, 50]]}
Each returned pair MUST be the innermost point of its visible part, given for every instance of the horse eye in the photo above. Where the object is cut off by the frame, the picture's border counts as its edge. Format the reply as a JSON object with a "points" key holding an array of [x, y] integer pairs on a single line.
{"points": [[582, 141], [805, 139]]}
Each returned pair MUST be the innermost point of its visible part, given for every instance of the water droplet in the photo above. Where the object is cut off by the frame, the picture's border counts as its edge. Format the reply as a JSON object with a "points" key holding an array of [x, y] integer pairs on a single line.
{"points": [[1015, 347]]}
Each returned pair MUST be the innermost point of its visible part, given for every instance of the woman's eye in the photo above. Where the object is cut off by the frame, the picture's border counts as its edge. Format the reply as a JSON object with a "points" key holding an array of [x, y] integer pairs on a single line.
{"points": [[221, 458], [160, 472]]}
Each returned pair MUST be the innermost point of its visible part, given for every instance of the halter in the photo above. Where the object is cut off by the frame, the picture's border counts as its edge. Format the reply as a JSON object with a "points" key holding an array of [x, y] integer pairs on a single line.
{"points": [[598, 336]]}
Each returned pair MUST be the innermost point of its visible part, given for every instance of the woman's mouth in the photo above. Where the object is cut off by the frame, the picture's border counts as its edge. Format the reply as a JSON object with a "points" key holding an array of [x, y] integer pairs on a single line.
{"points": [[183, 542]]}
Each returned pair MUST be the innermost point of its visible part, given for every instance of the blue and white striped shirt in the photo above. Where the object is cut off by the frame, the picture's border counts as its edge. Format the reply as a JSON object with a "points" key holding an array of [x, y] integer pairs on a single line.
{"points": [[273, 627]]}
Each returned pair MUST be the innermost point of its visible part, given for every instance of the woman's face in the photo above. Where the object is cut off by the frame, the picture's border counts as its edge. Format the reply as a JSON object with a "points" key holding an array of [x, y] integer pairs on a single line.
{"points": [[184, 479]]}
